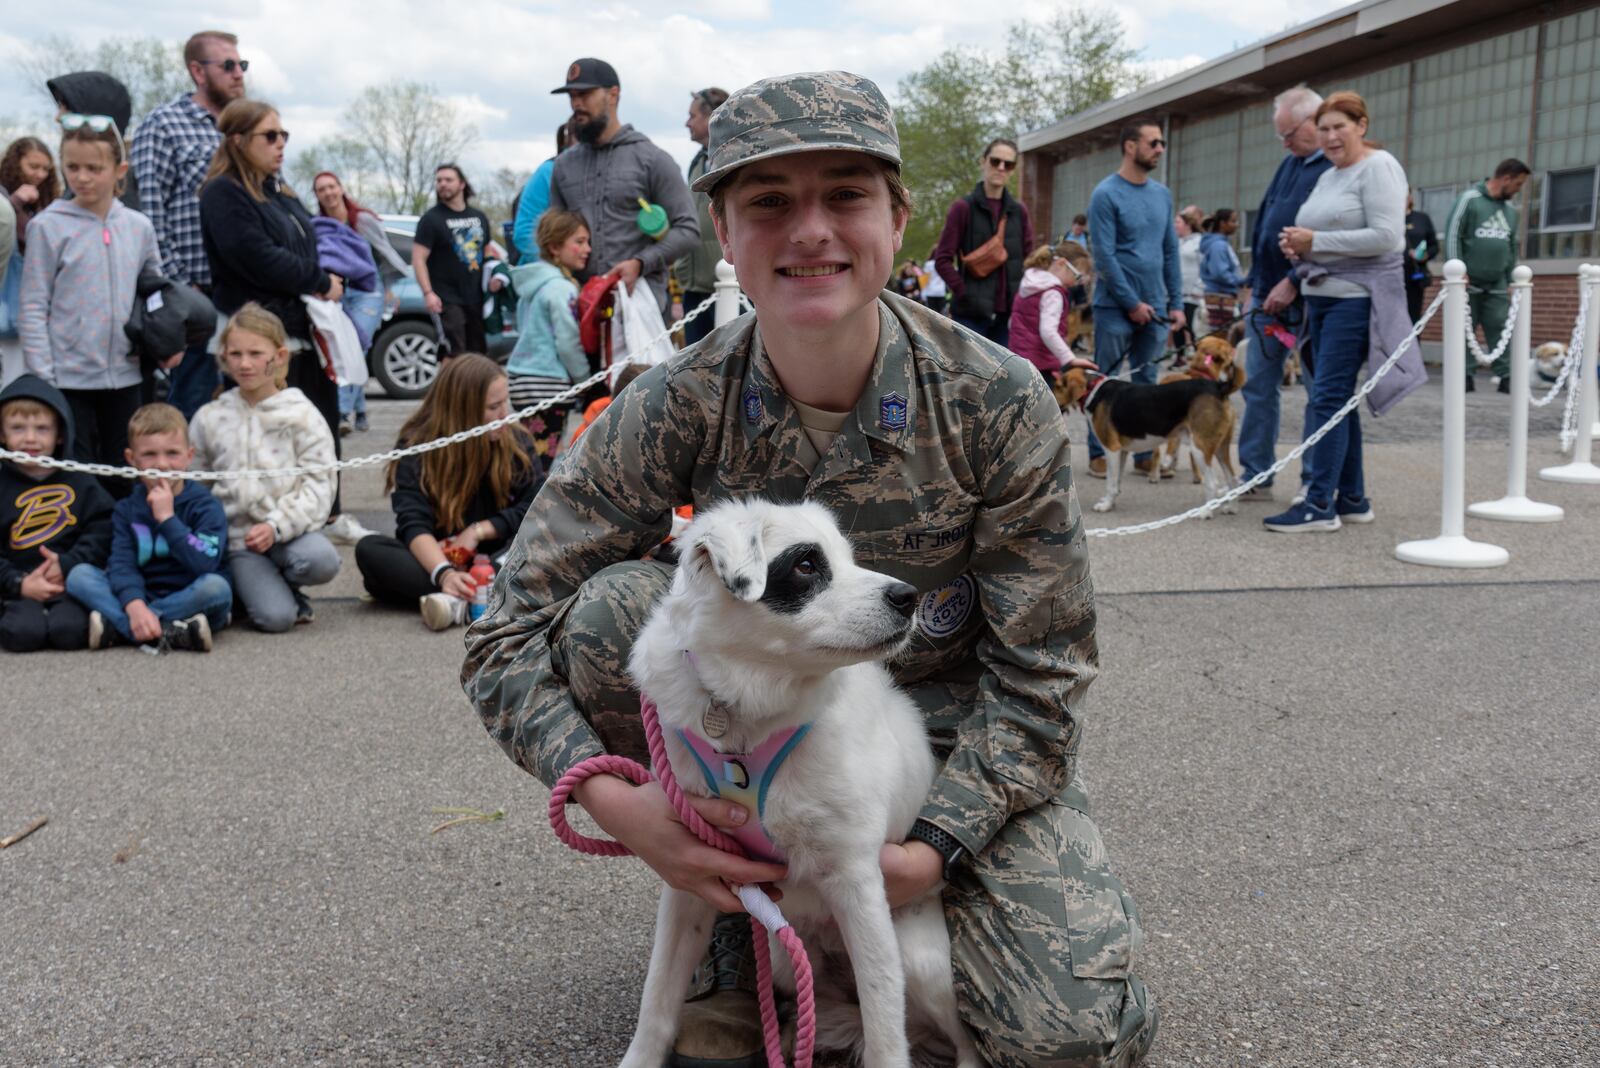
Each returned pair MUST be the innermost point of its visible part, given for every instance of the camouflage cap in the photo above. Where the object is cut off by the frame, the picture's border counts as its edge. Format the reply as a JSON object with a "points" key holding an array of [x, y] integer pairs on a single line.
{"points": [[799, 113]]}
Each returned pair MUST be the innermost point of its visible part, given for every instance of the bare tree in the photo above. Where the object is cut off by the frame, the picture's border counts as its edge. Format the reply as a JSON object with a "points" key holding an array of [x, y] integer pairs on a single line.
{"points": [[407, 130], [498, 190], [346, 158], [152, 69]]}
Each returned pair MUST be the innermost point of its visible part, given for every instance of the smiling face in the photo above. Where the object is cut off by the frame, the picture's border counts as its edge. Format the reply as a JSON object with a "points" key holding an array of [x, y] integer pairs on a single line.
{"points": [[813, 236], [329, 193], [35, 167], [29, 428], [1341, 137]]}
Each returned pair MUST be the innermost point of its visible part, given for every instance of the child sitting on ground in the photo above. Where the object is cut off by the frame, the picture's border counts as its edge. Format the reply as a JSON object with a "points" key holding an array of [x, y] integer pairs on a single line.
{"points": [[164, 584], [469, 497], [53, 523], [275, 544]]}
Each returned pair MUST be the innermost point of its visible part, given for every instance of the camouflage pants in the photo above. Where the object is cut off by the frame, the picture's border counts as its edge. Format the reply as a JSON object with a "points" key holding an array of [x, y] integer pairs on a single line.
{"points": [[1043, 935]]}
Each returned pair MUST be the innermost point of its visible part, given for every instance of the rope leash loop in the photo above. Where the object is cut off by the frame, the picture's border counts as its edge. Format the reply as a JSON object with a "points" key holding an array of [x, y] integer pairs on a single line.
{"points": [[764, 913]]}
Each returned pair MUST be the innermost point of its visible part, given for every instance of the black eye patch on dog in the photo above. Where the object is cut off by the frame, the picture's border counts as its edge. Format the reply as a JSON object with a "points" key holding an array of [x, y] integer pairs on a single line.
{"points": [[794, 577]]}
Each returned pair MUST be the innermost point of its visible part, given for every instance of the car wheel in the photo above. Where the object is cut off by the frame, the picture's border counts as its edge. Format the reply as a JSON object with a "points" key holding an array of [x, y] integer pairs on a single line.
{"points": [[405, 359]]}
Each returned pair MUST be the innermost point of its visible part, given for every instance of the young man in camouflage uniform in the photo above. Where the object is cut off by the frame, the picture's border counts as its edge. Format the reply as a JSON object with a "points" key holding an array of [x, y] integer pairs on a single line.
{"points": [[945, 459]]}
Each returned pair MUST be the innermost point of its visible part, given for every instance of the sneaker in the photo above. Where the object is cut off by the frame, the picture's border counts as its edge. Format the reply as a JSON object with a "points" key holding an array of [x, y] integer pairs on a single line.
{"points": [[192, 634], [1472, 384], [346, 530], [345, 428], [1357, 511], [102, 635], [721, 1021], [303, 612], [1097, 467], [1502, 385], [361, 422], [441, 611], [1143, 467], [1260, 494], [1303, 517]]}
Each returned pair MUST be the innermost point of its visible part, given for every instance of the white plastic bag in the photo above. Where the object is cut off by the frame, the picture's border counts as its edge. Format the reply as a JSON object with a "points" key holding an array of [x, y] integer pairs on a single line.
{"points": [[342, 343], [641, 337]]}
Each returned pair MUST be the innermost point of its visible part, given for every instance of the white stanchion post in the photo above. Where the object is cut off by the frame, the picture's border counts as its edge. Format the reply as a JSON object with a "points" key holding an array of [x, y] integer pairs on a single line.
{"points": [[1452, 548], [726, 309], [1582, 468], [1515, 505]]}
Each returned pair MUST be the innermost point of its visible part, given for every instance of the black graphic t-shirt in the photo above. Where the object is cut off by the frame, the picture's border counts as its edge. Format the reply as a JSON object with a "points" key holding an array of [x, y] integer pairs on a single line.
{"points": [[457, 242]]}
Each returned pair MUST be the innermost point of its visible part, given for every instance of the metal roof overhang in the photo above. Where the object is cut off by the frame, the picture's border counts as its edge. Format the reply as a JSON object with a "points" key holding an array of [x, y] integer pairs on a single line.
{"points": [[1350, 36]]}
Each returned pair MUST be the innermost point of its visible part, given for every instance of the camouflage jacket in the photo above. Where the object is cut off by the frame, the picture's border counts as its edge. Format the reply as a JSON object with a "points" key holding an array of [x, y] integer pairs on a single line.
{"points": [[953, 476]]}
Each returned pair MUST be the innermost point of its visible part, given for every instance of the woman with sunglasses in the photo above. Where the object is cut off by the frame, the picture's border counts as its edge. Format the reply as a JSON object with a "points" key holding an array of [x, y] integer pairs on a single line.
{"points": [[986, 236], [261, 246]]}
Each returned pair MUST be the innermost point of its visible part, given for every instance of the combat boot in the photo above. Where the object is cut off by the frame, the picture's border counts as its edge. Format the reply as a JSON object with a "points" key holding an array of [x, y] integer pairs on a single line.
{"points": [[721, 1022]]}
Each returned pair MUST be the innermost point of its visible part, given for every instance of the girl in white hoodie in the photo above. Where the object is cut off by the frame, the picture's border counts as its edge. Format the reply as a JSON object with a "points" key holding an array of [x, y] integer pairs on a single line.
{"points": [[275, 544]]}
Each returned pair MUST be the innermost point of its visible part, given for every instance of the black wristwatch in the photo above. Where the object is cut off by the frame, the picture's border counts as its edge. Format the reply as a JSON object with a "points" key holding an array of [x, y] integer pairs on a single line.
{"points": [[941, 840]]}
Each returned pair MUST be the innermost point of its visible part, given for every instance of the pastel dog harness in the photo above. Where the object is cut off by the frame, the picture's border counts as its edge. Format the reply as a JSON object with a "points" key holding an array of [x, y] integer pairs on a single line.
{"points": [[744, 778]]}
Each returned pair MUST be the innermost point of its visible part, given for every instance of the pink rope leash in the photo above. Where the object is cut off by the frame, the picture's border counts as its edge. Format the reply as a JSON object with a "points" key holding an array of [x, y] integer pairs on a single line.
{"points": [[764, 913]]}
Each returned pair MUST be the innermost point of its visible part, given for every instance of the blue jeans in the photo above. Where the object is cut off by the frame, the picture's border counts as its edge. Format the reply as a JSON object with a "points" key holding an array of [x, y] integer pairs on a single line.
{"points": [[996, 328], [1117, 338], [1338, 332], [210, 594], [192, 382], [1263, 373], [352, 399]]}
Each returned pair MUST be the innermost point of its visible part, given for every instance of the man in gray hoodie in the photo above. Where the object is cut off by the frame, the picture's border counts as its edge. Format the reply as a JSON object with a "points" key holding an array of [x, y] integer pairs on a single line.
{"points": [[605, 175]]}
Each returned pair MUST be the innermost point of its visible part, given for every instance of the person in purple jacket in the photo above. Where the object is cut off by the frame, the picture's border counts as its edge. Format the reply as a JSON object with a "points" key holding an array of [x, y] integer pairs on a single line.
{"points": [[165, 584]]}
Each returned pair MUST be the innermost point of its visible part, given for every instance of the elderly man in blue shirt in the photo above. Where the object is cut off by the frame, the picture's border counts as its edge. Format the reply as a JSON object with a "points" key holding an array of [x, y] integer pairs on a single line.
{"points": [[1273, 292]]}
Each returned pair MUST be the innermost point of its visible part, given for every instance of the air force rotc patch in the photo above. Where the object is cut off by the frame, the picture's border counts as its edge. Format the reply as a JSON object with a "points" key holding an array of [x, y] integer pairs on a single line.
{"points": [[944, 610], [752, 405], [892, 411]]}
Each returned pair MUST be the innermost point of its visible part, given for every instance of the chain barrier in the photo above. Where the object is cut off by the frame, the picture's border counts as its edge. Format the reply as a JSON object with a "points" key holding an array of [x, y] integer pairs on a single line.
{"points": [[571, 393], [1569, 364], [1300, 450], [1487, 358]]}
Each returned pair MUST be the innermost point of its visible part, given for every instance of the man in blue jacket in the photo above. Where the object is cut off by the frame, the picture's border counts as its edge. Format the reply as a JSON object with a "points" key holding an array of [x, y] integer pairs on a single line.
{"points": [[1139, 296], [1273, 293]]}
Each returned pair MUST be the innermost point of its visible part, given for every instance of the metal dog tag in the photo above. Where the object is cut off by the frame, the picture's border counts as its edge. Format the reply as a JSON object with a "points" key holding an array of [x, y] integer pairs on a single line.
{"points": [[715, 721]]}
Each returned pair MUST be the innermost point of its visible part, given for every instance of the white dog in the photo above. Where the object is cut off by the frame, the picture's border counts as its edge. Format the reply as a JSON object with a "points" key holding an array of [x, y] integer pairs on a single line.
{"points": [[769, 627]]}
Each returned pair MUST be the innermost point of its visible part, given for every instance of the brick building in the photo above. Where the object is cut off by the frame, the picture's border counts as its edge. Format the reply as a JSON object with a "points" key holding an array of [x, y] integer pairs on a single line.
{"points": [[1453, 87]]}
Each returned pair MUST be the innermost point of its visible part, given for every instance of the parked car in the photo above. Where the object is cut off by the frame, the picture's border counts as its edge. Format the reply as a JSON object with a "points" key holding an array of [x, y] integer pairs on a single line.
{"points": [[405, 353]]}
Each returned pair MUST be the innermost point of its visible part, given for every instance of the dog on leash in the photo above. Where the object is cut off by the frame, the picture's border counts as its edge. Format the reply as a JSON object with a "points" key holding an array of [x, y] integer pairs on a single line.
{"points": [[1213, 360], [1128, 417], [771, 643]]}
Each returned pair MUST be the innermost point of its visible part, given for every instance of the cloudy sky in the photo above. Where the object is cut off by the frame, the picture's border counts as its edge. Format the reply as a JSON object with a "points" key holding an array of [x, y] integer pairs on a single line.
{"points": [[498, 59]]}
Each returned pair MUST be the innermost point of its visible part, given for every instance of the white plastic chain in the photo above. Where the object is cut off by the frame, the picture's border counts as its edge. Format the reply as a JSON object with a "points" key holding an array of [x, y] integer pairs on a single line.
{"points": [[1487, 358], [361, 461], [1569, 365], [1244, 487]]}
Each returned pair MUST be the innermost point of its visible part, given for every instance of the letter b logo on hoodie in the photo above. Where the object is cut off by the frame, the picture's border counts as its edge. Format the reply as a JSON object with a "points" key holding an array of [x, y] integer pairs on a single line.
{"points": [[46, 512]]}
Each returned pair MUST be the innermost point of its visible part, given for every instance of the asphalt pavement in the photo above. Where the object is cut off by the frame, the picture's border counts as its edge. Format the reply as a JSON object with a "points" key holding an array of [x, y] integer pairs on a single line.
{"points": [[1354, 799]]}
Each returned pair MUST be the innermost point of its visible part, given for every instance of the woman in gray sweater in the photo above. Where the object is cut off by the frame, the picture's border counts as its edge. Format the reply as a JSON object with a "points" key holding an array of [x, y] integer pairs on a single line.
{"points": [[1346, 244]]}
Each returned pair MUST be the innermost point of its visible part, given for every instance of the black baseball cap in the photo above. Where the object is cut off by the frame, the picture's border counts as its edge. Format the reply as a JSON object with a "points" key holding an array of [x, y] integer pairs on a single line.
{"points": [[587, 74]]}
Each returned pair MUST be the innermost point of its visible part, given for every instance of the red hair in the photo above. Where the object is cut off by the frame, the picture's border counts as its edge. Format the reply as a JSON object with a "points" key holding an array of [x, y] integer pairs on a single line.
{"points": [[351, 208]]}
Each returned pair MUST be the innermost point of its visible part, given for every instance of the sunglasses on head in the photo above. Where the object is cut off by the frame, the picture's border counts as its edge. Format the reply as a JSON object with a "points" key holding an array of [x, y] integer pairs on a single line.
{"points": [[228, 65], [1002, 164], [71, 120]]}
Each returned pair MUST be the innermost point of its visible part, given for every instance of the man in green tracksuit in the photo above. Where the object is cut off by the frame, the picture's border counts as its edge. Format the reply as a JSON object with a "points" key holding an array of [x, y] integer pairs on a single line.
{"points": [[1482, 233]]}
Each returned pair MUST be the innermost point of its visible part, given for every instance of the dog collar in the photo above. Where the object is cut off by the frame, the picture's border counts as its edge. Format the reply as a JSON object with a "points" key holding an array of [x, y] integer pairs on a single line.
{"points": [[1088, 398], [744, 778]]}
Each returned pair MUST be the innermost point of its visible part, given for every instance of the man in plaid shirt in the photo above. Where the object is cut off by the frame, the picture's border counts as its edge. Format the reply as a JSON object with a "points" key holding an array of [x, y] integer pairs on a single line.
{"points": [[171, 153]]}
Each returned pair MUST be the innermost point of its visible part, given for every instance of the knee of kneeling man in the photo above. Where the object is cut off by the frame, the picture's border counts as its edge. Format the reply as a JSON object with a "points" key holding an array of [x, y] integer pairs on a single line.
{"points": [[1091, 1037], [608, 610]]}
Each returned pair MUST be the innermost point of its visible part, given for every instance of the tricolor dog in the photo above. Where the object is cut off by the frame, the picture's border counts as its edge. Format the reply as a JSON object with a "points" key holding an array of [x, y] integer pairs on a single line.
{"points": [[1213, 360], [1129, 417], [764, 662]]}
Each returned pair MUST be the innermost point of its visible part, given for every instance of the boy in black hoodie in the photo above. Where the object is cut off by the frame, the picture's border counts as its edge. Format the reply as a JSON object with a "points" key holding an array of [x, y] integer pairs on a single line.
{"points": [[51, 522]]}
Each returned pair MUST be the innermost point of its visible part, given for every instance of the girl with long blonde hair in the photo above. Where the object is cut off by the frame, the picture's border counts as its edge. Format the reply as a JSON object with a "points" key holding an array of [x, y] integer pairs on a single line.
{"points": [[453, 503]]}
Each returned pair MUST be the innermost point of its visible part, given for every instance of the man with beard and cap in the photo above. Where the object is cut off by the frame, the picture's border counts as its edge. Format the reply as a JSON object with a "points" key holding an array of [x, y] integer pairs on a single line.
{"points": [[170, 157], [605, 174], [94, 92]]}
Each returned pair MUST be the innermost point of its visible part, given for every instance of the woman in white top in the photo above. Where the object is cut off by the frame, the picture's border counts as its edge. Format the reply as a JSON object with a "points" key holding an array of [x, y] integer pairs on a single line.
{"points": [[1347, 234], [1194, 291]]}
